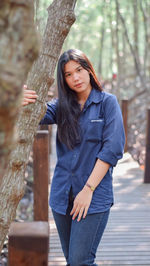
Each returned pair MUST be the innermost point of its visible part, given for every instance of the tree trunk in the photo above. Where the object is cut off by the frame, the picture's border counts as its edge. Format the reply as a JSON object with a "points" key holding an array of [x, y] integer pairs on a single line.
{"points": [[136, 28], [138, 67], [102, 36], [60, 19], [116, 90], [146, 21], [113, 45], [18, 49]]}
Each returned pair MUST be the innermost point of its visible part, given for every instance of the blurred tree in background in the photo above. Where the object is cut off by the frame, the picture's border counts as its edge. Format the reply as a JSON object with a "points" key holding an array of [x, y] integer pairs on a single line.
{"points": [[114, 34]]}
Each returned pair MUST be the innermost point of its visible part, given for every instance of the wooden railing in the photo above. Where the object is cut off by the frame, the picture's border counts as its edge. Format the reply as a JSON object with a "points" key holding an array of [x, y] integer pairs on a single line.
{"points": [[41, 175], [125, 105], [29, 241], [28, 244]]}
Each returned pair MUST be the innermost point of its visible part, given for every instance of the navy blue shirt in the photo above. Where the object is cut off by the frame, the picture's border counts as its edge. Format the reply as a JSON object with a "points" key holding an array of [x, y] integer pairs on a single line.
{"points": [[102, 136]]}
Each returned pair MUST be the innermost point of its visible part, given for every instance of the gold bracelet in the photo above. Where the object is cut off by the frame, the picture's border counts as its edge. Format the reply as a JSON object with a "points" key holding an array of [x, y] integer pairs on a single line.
{"points": [[91, 187]]}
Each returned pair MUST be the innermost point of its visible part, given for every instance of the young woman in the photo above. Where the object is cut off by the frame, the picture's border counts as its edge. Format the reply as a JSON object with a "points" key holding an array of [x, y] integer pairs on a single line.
{"points": [[90, 140]]}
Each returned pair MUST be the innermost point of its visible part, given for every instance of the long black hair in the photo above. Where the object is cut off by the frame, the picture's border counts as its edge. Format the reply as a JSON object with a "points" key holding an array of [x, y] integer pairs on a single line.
{"points": [[68, 107]]}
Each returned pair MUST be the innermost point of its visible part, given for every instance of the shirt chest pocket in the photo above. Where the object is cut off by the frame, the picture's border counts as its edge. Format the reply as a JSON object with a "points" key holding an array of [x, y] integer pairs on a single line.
{"points": [[94, 130]]}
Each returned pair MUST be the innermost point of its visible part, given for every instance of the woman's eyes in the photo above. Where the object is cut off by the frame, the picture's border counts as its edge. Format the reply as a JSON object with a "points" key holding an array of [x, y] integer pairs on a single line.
{"points": [[69, 74]]}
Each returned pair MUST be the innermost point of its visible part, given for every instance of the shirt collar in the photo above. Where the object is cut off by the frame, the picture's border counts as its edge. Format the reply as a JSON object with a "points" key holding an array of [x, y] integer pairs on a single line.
{"points": [[95, 96]]}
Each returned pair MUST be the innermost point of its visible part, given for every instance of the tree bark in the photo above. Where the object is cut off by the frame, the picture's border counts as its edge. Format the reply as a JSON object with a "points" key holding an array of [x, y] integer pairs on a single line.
{"points": [[16, 57], [60, 19]]}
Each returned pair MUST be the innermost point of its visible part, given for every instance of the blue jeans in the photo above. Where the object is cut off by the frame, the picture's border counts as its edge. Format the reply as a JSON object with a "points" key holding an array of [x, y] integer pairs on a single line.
{"points": [[79, 240]]}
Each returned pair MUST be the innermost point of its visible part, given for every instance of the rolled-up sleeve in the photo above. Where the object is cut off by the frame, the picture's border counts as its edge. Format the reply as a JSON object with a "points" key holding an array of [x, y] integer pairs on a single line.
{"points": [[113, 138], [50, 115]]}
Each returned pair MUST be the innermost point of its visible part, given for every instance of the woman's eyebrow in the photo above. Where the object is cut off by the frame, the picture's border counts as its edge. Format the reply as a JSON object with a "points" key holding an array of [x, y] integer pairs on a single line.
{"points": [[78, 66], [66, 72]]}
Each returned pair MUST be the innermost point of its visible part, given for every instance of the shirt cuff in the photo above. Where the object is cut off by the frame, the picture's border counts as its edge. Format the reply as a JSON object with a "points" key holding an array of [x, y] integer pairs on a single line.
{"points": [[108, 158]]}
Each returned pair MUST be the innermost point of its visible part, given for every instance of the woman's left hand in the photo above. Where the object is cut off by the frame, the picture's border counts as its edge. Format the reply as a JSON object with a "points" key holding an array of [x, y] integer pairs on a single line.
{"points": [[81, 203]]}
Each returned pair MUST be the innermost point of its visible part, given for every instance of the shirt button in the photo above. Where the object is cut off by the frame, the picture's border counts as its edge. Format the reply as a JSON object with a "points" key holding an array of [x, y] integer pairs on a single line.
{"points": [[74, 155]]}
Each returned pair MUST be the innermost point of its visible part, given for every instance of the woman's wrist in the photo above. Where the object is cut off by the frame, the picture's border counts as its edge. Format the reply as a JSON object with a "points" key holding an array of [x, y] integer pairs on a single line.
{"points": [[89, 187]]}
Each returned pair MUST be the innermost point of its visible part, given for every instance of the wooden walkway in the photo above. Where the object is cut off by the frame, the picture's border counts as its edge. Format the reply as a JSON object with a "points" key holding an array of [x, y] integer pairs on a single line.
{"points": [[126, 240]]}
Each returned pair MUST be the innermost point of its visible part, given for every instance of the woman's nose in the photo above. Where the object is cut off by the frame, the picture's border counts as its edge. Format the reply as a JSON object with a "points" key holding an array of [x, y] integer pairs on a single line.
{"points": [[75, 76]]}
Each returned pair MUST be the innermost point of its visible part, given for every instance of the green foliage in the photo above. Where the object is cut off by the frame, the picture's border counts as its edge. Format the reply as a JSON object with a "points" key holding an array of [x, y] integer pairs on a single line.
{"points": [[98, 19], [86, 33], [41, 14]]}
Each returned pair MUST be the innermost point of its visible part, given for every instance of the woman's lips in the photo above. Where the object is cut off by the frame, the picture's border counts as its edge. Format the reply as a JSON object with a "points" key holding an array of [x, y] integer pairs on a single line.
{"points": [[78, 85]]}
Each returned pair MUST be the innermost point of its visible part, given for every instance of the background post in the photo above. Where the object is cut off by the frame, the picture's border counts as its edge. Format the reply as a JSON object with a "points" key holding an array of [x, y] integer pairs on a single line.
{"points": [[41, 175], [147, 155], [125, 121]]}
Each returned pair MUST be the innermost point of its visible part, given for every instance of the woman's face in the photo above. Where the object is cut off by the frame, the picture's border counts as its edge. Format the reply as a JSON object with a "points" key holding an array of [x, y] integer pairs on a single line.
{"points": [[77, 77]]}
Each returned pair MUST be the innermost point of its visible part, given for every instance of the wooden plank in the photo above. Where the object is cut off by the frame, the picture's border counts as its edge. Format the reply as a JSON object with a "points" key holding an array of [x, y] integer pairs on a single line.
{"points": [[114, 249], [28, 244], [109, 253], [118, 261]]}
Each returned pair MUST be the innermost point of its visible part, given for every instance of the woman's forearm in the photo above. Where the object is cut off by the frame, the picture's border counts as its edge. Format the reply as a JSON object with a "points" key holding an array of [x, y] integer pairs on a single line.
{"points": [[99, 171], [83, 199]]}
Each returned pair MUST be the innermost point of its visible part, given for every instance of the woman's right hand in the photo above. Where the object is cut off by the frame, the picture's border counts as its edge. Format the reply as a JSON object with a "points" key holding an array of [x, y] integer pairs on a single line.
{"points": [[29, 96]]}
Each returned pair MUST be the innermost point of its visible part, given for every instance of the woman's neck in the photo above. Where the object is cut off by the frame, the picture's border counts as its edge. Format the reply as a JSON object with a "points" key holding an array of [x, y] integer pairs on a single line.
{"points": [[82, 96]]}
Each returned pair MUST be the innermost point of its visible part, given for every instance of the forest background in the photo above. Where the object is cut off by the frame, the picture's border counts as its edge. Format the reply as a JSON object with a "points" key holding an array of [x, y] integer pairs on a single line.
{"points": [[116, 37]]}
